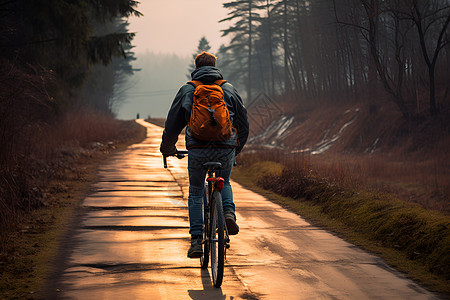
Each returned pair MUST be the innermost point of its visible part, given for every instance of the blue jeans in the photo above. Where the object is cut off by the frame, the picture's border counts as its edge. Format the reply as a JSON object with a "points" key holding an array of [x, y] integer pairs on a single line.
{"points": [[197, 174]]}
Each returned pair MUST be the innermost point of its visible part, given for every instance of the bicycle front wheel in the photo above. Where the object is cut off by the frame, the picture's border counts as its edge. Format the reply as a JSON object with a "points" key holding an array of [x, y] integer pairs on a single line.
{"points": [[217, 239]]}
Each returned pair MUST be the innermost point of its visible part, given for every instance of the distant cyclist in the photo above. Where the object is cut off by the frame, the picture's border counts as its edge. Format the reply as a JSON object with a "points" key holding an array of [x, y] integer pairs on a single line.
{"points": [[217, 130]]}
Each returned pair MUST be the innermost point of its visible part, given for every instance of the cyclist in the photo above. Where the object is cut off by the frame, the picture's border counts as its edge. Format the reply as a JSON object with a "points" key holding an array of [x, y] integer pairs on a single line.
{"points": [[201, 151]]}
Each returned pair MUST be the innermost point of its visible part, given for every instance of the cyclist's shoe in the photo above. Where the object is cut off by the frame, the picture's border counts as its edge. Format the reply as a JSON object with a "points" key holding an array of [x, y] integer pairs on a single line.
{"points": [[230, 221], [196, 249]]}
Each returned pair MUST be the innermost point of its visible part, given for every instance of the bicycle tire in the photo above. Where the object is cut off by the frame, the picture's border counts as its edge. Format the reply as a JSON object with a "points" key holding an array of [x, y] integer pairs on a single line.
{"points": [[204, 259], [217, 239]]}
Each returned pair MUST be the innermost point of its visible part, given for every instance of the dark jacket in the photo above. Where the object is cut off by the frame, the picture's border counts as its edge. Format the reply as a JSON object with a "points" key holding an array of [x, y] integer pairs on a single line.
{"points": [[180, 112]]}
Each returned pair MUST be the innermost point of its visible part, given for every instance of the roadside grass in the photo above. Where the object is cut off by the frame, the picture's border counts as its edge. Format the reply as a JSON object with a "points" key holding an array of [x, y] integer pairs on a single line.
{"points": [[31, 241], [423, 180], [410, 238]]}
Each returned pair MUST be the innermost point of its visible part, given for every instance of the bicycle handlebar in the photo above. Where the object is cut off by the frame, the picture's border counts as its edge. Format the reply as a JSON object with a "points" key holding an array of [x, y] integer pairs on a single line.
{"points": [[180, 154]]}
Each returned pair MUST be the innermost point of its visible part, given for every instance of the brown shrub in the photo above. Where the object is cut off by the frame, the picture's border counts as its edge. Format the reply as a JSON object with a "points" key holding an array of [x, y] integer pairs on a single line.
{"points": [[424, 180]]}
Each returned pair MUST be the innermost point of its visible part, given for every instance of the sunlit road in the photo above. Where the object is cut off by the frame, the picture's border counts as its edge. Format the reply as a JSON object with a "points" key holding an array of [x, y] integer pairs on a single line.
{"points": [[132, 237]]}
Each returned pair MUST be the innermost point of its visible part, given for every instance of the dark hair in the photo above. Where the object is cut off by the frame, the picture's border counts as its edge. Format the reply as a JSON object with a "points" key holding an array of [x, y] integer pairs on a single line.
{"points": [[205, 59]]}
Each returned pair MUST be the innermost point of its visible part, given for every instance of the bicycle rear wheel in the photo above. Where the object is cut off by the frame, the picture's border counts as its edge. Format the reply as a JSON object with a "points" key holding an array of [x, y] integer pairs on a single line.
{"points": [[204, 259], [217, 239]]}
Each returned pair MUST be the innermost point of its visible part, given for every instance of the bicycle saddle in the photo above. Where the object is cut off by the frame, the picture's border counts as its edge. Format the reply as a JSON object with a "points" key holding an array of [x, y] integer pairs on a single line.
{"points": [[212, 165]]}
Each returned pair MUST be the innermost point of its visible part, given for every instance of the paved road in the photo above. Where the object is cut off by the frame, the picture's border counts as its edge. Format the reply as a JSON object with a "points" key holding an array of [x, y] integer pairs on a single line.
{"points": [[132, 237]]}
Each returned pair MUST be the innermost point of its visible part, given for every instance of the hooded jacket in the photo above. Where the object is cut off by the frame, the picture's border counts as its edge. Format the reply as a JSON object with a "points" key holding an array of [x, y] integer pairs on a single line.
{"points": [[180, 113]]}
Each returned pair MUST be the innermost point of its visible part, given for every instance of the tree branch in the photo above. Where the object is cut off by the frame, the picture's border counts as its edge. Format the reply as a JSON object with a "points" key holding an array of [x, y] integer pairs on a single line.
{"points": [[444, 28]]}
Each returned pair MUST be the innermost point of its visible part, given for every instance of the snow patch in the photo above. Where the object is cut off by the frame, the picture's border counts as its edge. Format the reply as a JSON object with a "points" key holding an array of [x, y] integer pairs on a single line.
{"points": [[324, 145], [284, 127], [275, 132], [374, 146]]}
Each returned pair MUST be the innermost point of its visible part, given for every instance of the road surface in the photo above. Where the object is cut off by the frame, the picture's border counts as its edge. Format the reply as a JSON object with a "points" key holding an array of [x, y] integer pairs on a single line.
{"points": [[131, 240]]}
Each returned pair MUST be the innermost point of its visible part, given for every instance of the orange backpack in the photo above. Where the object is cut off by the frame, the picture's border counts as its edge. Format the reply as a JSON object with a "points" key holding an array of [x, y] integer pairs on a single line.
{"points": [[210, 118]]}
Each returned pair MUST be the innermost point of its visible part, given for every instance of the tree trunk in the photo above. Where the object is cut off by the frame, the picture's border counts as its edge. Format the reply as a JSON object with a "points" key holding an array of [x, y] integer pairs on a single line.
{"points": [[272, 71], [433, 110], [287, 82], [431, 64]]}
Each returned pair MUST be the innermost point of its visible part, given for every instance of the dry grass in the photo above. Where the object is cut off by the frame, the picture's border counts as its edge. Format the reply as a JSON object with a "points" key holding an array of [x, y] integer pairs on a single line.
{"points": [[82, 127], [425, 182]]}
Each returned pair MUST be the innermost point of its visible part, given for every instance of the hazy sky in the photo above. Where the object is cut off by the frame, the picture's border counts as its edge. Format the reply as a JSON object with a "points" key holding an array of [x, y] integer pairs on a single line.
{"points": [[175, 26], [167, 27]]}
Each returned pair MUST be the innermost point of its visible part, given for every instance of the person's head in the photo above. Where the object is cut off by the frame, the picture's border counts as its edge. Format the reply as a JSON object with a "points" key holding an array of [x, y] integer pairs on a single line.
{"points": [[205, 59]]}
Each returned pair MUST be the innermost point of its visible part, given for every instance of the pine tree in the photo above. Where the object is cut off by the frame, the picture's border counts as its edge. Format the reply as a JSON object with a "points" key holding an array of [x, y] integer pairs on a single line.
{"points": [[245, 16], [62, 35]]}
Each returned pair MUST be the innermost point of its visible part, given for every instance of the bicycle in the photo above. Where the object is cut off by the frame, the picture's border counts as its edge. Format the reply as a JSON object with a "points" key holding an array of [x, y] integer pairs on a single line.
{"points": [[215, 233]]}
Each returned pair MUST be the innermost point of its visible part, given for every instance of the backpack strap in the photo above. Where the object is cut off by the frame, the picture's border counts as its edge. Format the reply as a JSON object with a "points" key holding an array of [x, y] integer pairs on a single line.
{"points": [[220, 82], [195, 83]]}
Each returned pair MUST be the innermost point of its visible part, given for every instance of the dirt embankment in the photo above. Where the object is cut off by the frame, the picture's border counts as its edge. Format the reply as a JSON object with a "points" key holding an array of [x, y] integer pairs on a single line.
{"points": [[349, 128], [365, 144]]}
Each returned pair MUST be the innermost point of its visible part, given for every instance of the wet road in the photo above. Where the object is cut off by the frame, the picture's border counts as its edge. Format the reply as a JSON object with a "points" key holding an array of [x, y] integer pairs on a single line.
{"points": [[132, 237]]}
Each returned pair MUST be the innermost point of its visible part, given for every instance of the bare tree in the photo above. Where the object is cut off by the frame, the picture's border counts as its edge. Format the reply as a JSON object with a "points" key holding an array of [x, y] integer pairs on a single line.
{"points": [[431, 20], [369, 29]]}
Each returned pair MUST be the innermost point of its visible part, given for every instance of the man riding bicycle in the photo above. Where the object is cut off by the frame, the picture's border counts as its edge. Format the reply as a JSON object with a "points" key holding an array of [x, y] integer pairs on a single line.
{"points": [[202, 149]]}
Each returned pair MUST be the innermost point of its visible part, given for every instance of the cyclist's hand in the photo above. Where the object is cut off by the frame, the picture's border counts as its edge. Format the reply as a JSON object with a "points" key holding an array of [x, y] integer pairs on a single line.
{"points": [[168, 152]]}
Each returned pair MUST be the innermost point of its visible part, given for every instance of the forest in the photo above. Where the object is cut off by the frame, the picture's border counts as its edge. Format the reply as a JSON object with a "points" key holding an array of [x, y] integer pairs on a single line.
{"points": [[342, 50]]}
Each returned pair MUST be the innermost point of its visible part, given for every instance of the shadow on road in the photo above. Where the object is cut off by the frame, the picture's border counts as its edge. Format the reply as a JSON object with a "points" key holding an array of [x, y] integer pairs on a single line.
{"points": [[209, 291]]}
